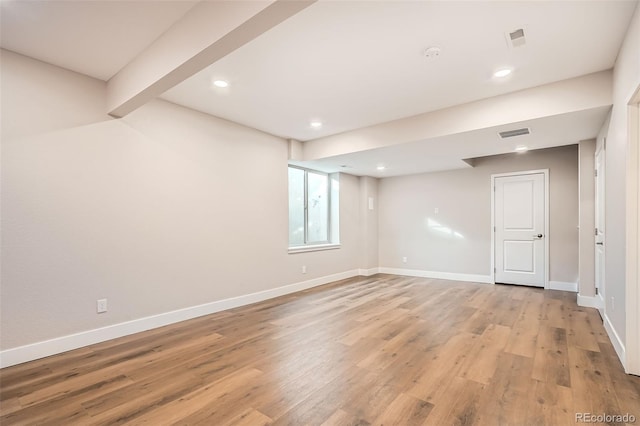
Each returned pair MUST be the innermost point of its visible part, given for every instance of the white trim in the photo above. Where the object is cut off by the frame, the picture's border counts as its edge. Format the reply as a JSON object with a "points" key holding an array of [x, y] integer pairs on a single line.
{"points": [[600, 199], [486, 279], [368, 272], [317, 247], [589, 301], [632, 289], [58, 345], [524, 172], [600, 303], [564, 286], [546, 229], [492, 271], [615, 339], [546, 220]]}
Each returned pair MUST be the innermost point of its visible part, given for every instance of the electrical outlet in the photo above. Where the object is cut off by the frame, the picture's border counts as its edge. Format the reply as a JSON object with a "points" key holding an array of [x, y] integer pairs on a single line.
{"points": [[101, 305], [436, 210], [404, 260], [613, 303], [304, 269]]}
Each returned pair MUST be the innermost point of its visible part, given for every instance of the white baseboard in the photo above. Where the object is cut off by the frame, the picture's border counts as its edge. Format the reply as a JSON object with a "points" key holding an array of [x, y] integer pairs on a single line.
{"points": [[368, 272], [564, 286], [615, 339], [439, 275], [598, 303], [58, 345], [589, 301]]}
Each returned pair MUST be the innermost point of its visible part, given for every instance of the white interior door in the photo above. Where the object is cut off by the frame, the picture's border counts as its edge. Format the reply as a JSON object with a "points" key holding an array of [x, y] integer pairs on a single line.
{"points": [[519, 209], [600, 228]]}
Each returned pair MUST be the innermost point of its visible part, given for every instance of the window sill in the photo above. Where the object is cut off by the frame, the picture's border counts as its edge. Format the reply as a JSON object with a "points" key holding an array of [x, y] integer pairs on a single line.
{"points": [[319, 247]]}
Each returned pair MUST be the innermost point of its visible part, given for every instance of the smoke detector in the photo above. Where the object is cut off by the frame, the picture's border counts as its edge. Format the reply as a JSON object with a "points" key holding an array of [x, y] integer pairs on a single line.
{"points": [[432, 52]]}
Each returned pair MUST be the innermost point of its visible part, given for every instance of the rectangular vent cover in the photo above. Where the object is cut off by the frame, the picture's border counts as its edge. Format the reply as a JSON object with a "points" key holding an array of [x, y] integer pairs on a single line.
{"points": [[516, 38], [513, 133], [516, 34]]}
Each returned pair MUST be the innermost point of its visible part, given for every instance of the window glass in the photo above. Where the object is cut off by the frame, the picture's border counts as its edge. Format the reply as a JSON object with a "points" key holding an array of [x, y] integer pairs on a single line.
{"points": [[313, 208], [317, 208]]}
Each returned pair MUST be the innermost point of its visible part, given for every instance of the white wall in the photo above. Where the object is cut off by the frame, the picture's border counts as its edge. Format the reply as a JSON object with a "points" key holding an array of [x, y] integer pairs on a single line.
{"points": [[463, 199], [165, 209], [586, 152], [368, 223], [626, 80]]}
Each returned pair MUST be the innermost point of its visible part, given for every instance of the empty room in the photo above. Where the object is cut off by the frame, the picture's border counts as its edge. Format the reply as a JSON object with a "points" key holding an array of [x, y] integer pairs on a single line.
{"points": [[320, 212]]}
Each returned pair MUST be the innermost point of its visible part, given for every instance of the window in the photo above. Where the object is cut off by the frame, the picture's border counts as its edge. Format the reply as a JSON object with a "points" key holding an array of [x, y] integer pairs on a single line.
{"points": [[313, 200]]}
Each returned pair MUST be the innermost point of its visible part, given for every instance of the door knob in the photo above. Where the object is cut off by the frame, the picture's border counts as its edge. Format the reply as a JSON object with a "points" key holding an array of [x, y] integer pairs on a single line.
{"points": [[600, 243], [538, 236]]}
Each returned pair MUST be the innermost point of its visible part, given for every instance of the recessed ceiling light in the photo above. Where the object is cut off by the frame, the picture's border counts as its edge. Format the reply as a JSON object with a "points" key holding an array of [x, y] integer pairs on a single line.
{"points": [[502, 72], [381, 167], [521, 148], [316, 124], [221, 83]]}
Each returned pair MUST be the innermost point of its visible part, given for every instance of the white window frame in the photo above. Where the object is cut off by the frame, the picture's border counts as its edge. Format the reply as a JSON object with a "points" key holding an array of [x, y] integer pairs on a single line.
{"points": [[328, 244]]}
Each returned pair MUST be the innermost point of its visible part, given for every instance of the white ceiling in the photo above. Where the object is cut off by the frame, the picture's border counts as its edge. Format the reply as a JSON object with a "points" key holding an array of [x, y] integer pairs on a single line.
{"points": [[352, 64], [356, 63], [96, 38]]}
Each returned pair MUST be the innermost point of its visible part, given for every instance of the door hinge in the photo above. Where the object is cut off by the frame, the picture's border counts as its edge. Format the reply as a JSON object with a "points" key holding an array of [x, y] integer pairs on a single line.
{"points": [[595, 172], [494, 270], [494, 229], [596, 291], [596, 232]]}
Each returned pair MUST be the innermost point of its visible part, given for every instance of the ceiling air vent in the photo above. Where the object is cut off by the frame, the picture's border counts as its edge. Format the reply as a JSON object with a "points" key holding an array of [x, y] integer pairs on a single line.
{"points": [[513, 133], [516, 38]]}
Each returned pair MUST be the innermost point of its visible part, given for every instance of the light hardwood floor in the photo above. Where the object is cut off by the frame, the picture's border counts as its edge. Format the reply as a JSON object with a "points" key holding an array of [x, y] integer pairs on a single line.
{"points": [[381, 350]]}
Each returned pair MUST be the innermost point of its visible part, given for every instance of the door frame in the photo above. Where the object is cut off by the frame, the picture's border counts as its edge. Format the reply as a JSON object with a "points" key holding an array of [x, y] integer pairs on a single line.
{"points": [[546, 220], [632, 274], [600, 297]]}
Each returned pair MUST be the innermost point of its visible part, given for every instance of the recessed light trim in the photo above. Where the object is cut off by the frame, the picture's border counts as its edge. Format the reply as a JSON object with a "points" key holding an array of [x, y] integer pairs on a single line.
{"points": [[316, 124], [221, 83], [521, 148], [501, 73], [380, 168]]}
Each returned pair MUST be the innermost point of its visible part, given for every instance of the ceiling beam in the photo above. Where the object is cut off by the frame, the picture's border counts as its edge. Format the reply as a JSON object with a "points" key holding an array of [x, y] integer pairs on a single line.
{"points": [[572, 95], [206, 33]]}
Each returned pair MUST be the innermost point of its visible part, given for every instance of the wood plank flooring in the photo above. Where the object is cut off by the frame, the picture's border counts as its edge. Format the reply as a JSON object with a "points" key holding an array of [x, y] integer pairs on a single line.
{"points": [[382, 350]]}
